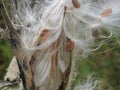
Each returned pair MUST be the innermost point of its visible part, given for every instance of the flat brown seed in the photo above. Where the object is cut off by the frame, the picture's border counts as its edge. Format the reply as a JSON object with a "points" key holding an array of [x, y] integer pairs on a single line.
{"points": [[95, 33], [76, 4], [44, 35], [81, 51], [106, 12], [69, 45]]}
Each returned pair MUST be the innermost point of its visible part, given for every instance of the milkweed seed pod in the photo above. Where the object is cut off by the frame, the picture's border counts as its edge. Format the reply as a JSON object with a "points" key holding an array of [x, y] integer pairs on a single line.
{"points": [[52, 29]]}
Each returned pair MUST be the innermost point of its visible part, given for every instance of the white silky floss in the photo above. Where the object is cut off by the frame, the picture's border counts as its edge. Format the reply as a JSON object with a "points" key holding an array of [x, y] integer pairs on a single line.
{"points": [[60, 16]]}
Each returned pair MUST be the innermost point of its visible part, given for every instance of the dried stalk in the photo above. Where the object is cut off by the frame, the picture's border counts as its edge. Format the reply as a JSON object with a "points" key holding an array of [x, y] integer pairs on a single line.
{"points": [[71, 76], [1, 32], [18, 49], [8, 83]]}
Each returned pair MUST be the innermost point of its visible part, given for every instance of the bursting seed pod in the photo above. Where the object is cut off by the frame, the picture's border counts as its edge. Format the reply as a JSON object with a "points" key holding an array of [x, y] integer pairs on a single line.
{"points": [[51, 30]]}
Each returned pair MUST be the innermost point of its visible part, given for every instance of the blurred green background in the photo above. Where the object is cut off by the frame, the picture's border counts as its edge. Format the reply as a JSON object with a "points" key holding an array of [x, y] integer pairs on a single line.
{"points": [[104, 63], [5, 50]]}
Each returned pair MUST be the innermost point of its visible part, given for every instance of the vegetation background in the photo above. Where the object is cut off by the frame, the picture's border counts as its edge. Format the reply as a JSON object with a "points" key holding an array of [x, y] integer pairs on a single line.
{"points": [[103, 63]]}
